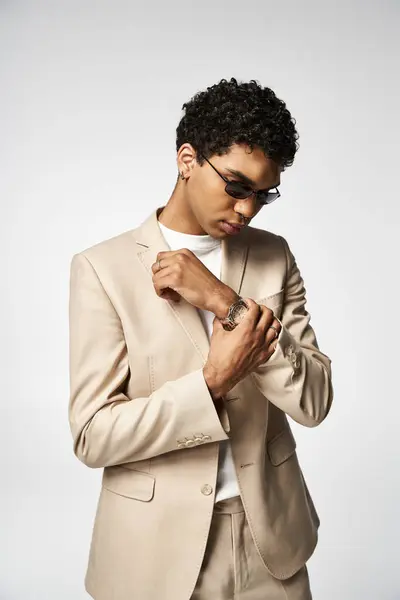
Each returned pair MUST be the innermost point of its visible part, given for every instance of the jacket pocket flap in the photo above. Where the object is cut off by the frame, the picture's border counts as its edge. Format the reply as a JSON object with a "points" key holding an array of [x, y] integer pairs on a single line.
{"points": [[272, 300], [281, 447], [129, 483]]}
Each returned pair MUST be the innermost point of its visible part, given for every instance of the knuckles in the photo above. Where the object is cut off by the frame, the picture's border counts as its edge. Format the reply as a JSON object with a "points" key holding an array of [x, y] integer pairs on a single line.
{"points": [[266, 309], [182, 254]]}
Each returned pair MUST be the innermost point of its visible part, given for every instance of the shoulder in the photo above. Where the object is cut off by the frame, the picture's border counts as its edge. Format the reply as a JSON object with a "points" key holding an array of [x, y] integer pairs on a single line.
{"points": [[265, 245], [265, 239], [108, 250]]}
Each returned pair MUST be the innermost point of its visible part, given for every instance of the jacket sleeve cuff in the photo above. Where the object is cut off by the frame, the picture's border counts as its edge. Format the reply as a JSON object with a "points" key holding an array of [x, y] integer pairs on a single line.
{"points": [[285, 350], [198, 415]]}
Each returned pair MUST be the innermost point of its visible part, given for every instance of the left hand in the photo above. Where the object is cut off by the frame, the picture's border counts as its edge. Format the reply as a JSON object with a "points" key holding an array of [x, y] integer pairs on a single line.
{"points": [[182, 274], [235, 354]]}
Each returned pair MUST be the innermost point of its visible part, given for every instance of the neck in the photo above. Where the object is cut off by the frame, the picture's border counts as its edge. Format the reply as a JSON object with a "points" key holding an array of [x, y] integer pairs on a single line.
{"points": [[177, 214]]}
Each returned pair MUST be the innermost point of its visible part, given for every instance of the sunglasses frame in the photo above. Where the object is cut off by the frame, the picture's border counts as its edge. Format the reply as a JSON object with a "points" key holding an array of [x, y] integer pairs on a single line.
{"points": [[256, 192]]}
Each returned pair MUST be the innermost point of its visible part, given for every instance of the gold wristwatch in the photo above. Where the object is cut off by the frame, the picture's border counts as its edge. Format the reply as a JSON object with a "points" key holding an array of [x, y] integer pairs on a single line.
{"points": [[235, 314]]}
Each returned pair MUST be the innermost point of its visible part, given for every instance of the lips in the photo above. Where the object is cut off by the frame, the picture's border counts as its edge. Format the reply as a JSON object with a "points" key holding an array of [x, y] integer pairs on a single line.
{"points": [[238, 225], [231, 228]]}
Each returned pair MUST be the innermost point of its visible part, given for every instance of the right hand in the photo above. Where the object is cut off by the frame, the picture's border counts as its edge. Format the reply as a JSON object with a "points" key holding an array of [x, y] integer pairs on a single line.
{"points": [[235, 354]]}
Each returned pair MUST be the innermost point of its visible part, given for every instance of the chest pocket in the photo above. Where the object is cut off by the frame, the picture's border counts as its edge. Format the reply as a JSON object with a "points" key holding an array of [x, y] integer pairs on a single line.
{"points": [[274, 302]]}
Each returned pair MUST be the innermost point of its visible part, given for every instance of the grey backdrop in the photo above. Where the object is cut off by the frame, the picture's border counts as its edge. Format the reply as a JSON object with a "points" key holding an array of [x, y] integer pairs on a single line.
{"points": [[91, 93]]}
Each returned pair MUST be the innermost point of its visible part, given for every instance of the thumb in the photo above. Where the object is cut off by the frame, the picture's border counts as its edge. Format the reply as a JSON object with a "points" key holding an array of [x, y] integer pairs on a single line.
{"points": [[217, 325]]}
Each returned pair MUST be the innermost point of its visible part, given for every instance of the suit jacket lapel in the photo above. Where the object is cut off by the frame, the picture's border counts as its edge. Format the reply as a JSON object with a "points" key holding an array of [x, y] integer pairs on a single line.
{"points": [[234, 250]]}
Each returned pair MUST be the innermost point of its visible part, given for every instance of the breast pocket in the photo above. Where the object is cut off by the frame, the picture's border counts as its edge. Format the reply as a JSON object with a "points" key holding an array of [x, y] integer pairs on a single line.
{"points": [[274, 302]]}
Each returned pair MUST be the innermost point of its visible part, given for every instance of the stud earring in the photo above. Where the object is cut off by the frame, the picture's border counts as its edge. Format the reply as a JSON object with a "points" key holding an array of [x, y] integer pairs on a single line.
{"points": [[182, 176]]}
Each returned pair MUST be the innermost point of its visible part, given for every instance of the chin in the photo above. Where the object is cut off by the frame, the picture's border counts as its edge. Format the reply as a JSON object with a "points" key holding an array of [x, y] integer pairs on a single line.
{"points": [[216, 231]]}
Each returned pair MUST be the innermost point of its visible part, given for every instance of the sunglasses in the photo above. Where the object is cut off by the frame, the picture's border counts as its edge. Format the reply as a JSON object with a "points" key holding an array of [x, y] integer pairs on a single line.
{"points": [[240, 190]]}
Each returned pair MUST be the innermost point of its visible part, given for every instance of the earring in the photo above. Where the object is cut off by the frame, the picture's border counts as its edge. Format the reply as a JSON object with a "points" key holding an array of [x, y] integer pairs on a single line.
{"points": [[182, 176]]}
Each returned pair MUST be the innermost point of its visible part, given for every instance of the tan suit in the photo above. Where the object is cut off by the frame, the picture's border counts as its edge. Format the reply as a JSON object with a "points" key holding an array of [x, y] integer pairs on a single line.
{"points": [[140, 409]]}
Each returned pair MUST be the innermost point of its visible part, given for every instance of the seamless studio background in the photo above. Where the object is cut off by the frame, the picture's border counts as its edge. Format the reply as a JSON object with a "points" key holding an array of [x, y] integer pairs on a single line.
{"points": [[91, 94]]}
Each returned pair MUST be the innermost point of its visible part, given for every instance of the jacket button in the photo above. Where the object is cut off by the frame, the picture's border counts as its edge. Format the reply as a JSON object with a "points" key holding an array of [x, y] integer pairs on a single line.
{"points": [[206, 489], [199, 439]]}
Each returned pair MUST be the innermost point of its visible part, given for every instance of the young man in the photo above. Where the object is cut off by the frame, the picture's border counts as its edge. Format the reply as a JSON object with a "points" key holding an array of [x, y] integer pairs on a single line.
{"points": [[190, 343]]}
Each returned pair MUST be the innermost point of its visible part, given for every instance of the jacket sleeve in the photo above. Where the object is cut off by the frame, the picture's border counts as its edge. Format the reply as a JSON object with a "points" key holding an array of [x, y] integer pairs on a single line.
{"points": [[108, 427], [297, 377]]}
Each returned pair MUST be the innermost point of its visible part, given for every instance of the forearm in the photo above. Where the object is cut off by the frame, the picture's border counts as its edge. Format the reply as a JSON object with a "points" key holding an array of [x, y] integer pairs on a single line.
{"points": [[132, 429], [297, 379]]}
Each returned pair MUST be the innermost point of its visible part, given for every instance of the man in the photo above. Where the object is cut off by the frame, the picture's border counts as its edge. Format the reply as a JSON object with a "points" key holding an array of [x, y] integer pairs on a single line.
{"points": [[190, 344]]}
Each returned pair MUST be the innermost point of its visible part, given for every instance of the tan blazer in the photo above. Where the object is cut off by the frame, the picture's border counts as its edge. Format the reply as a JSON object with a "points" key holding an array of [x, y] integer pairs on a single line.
{"points": [[140, 410]]}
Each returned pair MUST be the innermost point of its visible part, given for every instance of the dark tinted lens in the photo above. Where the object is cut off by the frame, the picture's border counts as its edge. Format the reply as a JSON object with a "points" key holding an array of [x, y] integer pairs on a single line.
{"points": [[268, 197], [237, 190]]}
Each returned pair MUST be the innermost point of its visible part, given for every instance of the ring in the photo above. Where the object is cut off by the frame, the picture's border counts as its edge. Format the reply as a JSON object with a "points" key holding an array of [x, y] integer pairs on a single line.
{"points": [[276, 331], [158, 262]]}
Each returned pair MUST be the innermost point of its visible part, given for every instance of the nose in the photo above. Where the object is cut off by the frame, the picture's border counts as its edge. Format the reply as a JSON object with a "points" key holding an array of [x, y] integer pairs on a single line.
{"points": [[247, 207]]}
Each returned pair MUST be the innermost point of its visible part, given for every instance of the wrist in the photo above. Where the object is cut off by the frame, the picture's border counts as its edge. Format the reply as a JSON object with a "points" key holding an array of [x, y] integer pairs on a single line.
{"points": [[222, 301], [211, 382]]}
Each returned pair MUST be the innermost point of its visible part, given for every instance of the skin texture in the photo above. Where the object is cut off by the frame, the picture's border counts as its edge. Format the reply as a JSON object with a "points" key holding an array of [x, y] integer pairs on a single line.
{"points": [[197, 206]]}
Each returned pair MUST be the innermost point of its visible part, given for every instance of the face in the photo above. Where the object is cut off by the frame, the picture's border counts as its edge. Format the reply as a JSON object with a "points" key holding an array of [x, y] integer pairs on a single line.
{"points": [[208, 206]]}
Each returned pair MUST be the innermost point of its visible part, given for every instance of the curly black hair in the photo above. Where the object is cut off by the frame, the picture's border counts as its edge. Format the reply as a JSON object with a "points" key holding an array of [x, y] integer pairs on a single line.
{"points": [[230, 112]]}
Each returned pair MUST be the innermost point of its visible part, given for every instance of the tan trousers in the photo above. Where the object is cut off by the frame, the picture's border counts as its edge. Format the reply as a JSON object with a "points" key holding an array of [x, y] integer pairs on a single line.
{"points": [[232, 568]]}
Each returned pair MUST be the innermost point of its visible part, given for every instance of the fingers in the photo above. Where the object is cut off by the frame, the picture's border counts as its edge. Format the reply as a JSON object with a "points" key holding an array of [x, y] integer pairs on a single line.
{"points": [[162, 281], [166, 261], [169, 294], [268, 329], [170, 257], [266, 320], [251, 317]]}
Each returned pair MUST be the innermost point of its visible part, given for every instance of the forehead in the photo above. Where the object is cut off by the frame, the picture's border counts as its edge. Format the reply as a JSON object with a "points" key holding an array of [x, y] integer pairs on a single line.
{"points": [[263, 171]]}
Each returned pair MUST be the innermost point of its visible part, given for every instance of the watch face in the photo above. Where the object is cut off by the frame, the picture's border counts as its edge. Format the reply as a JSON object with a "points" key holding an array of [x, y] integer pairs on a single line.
{"points": [[239, 310], [239, 313], [235, 315]]}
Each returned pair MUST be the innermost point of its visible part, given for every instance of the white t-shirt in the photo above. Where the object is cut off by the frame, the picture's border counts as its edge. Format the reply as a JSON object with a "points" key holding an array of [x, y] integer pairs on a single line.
{"points": [[208, 250]]}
